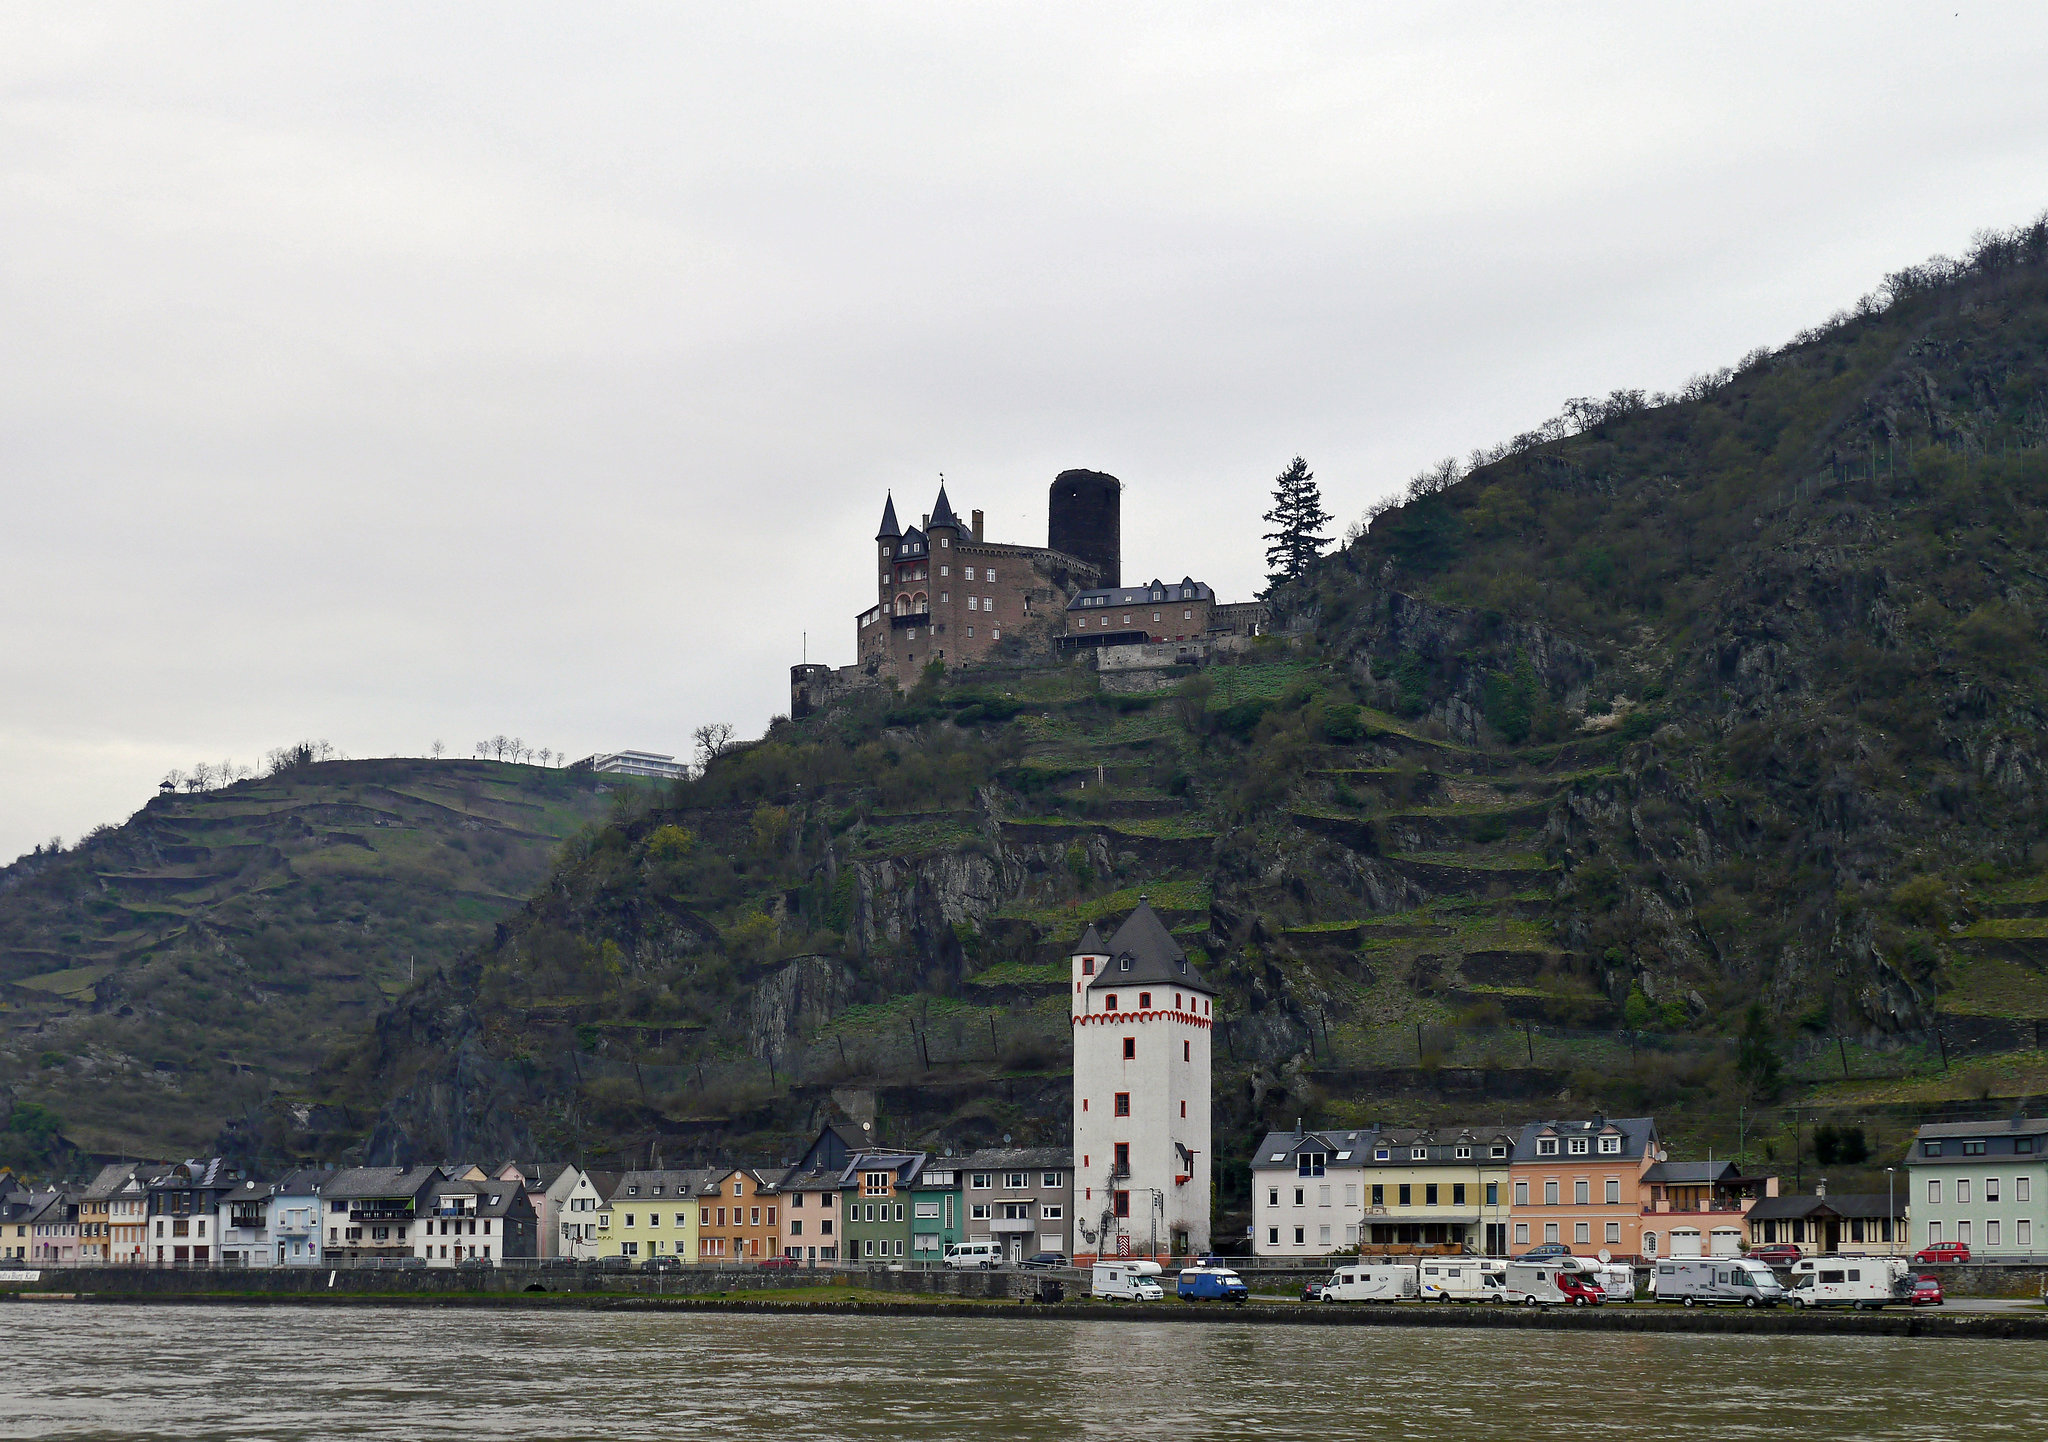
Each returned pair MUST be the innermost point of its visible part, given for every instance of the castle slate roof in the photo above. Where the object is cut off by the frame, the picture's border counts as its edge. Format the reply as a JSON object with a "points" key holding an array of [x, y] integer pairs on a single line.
{"points": [[1144, 950], [1091, 942], [1187, 588], [942, 513], [890, 530]]}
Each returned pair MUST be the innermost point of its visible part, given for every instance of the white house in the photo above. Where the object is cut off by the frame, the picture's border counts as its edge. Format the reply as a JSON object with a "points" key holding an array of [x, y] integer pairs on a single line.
{"points": [[242, 1223], [1142, 1023], [548, 1187], [581, 1213], [295, 1218]]}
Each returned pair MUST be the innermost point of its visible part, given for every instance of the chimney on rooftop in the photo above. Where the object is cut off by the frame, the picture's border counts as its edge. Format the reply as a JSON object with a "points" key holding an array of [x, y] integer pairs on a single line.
{"points": [[1820, 1186], [977, 525]]}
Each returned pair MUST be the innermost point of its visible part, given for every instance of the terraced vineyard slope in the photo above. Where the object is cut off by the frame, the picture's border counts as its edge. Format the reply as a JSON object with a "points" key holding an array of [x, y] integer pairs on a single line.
{"points": [[172, 973]]}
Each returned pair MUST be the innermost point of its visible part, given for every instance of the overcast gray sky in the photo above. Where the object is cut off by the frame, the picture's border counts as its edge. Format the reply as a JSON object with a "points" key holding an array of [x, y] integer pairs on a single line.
{"points": [[395, 373]]}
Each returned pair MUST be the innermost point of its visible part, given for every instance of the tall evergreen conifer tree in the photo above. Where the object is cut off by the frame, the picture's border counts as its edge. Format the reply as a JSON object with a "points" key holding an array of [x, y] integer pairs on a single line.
{"points": [[1298, 517]]}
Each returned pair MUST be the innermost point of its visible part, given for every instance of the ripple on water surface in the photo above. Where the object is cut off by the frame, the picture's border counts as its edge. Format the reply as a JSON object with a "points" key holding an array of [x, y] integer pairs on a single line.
{"points": [[304, 1372]]}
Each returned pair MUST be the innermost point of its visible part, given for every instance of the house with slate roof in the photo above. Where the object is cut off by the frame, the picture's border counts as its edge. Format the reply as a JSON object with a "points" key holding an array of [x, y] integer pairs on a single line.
{"points": [[1142, 1019], [812, 1228], [1580, 1182]]}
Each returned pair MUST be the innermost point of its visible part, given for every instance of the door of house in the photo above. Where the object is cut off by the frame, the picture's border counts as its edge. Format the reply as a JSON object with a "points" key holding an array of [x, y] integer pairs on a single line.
{"points": [[1834, 1227]]}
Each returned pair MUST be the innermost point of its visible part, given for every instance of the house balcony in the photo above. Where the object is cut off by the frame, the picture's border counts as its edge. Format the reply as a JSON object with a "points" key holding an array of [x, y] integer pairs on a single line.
{"points": [[915, 618], [1717, 1207], [381, 1212]]}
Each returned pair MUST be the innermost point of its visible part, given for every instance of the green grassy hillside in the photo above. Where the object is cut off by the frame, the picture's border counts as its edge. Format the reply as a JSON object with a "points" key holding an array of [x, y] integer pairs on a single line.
{"points": [[169, 974]]}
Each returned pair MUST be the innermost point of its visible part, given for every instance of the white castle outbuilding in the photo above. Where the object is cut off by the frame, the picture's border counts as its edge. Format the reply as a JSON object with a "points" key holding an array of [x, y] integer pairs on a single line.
{"points": [[1143, 1018]]}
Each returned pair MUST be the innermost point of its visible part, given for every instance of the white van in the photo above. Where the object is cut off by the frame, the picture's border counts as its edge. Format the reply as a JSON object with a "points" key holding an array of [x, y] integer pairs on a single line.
{"points": [[1372, 1282], [970, 1256], [1727, 1280], [1463, 1279], [1871, 1282], [1130, 1281]]}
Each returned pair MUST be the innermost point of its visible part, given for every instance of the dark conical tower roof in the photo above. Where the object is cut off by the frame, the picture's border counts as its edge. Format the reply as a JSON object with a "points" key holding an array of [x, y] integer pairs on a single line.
{"points": [[890, 530], [1144, 950], [1091, 943], [942, 512]]}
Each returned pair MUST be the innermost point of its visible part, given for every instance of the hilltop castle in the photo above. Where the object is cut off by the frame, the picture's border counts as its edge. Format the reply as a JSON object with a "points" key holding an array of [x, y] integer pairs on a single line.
{"points": [[945, 592]]}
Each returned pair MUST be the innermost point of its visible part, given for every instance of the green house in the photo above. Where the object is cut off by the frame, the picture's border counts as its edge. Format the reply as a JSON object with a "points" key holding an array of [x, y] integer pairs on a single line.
{"points": [[877, 1191], [936, 1217]]}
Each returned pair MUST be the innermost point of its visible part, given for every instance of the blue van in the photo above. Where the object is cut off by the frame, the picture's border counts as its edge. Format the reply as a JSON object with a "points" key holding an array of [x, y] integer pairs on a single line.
{"points": [[1208, 1282]]}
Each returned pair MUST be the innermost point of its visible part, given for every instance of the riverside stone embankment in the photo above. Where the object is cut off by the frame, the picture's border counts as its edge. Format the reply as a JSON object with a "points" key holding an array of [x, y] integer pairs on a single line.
{"points": [[1007, 1296]]}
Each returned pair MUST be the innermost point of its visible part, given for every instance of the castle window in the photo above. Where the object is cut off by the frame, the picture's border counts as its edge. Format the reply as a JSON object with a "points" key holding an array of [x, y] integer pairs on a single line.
{"points": [[1123, 1104], [989, 574], [1126, 621], [996, 634], [944, 597], [1187, 615], [1109, 1002], [1130, 1048], [970, 573], [988, 603], [1144, 1001], [970, 633], [945, 570], [1155, 616], [1088, 966], [973, 603]]}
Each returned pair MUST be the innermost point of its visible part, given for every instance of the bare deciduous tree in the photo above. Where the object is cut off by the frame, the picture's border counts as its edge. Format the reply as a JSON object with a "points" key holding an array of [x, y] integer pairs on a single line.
{"points": [[713, 738], [437, 748]]}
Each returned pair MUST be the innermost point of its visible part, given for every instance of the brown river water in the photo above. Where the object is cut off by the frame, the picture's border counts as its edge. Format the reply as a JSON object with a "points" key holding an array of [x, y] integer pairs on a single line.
{"points": [[332, 1373]]}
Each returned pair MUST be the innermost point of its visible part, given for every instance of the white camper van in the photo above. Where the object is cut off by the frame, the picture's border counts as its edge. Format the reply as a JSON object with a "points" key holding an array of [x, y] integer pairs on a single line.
{"points": [[1463, 1279], [1617, 1280], [1729, 1280], [968, 1256], [1552, 1281], [1871, 1282], [1128, 1281], [1371, 1282]]}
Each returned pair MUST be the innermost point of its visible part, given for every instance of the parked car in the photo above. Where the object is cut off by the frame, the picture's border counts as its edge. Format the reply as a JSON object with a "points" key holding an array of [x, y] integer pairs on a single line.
{"points": [[1927, 1292], [1045, 1262], [1776, 1254], [1546, 1249], [783, 1263], [559, 1264], [970, 1256], [662, 1264], [1311, 1291], [1941, 1252], [611, 1264]]}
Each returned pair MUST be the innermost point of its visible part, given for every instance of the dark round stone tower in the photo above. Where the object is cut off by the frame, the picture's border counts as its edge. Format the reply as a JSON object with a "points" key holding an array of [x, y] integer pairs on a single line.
{"points": [[1083, 519]]}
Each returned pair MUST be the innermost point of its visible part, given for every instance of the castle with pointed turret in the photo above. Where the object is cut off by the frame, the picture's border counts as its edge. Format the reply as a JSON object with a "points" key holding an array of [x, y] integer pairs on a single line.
{"points": [[945, 592]]}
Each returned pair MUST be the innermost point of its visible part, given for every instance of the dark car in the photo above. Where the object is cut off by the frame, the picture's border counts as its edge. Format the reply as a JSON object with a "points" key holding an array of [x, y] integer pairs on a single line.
{"points": [[559, 1264], [611, 1264], [1045, 1262], [1776, 1254], [662, 1264], [1927, 1292], [1547, 1249], [1941, 1252], [1311, 1291]]}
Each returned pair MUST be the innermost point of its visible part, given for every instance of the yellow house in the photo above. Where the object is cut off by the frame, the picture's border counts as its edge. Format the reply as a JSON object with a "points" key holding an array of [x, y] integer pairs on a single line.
{"points": [[652, 1214]]}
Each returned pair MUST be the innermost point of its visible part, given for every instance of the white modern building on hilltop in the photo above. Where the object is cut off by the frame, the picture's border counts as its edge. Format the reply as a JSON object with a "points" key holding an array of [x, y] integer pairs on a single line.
{"points": [[654, 765], [1143, 1019]]}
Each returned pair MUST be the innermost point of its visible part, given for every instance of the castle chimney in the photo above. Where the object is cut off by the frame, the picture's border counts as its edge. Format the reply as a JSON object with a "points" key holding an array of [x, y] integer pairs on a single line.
{"points": [[977, 526], [927, 522]]}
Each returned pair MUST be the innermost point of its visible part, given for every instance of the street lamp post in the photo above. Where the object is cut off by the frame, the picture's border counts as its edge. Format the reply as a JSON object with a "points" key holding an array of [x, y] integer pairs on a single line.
{"points": [[1891, 1215]]}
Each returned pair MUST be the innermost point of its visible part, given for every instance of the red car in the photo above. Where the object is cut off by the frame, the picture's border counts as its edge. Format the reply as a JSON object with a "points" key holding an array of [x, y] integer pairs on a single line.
{"points": [[1583, 1291], [1941, 1252], [1776, 1254], [782, 1263], [1927, 1292]]}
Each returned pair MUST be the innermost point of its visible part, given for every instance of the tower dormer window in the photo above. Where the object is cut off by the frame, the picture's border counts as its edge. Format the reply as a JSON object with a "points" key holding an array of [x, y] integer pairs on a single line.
{"points": [[1124, 963]]}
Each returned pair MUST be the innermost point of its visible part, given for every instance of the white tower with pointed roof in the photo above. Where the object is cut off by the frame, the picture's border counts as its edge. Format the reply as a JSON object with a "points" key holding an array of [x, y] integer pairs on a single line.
{"points": [[1143, 1018]]}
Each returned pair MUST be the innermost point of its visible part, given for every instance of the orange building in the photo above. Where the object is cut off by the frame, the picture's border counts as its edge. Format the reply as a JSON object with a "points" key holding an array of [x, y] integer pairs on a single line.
{"points": [[739, 1218], [1581, 1183]]}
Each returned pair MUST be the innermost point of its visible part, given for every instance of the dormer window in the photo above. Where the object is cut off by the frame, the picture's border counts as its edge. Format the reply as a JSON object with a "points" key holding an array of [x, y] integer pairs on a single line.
{"points": [[1382, 1154], [1310, 1164], [1418, 1154], [1464, 1154], [1546, 1146], [1580, 1146], [1932, 1149], [1124, 962], [1610, 1146], [1497, 1150]]}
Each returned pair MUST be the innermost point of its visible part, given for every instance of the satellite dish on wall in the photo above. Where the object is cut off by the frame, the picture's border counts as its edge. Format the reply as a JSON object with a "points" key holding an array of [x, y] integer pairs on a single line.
{"points": [[1605, 1256], [867, 1126]]}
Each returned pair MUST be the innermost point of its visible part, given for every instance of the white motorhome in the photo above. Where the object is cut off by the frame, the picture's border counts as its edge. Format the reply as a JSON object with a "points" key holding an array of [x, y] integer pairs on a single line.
{"points": [[1871, 1282], [1463, 1279], [1371, 1282], [1617, 1280], [1728, 1280], [969, 1256], [1129, 1281], [1552, 1281]]}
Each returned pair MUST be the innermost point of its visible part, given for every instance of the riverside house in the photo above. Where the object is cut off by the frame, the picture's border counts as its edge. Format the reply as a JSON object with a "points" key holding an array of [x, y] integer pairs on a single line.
{"points": [[242, 1222], [877, 1188], [1983, 1184], [1838, 1225], [295, 1217], [184, 1208], [119, 1183], [482, 1220], [549, 1186], [738, 1217], [1021, 1198], [372, 1212], [584, 1230], [811, 1223], [937, 1211], [53, 1229], [1580, 1182], [656, 1213], [1446, 1187], [1701, 1208]]}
